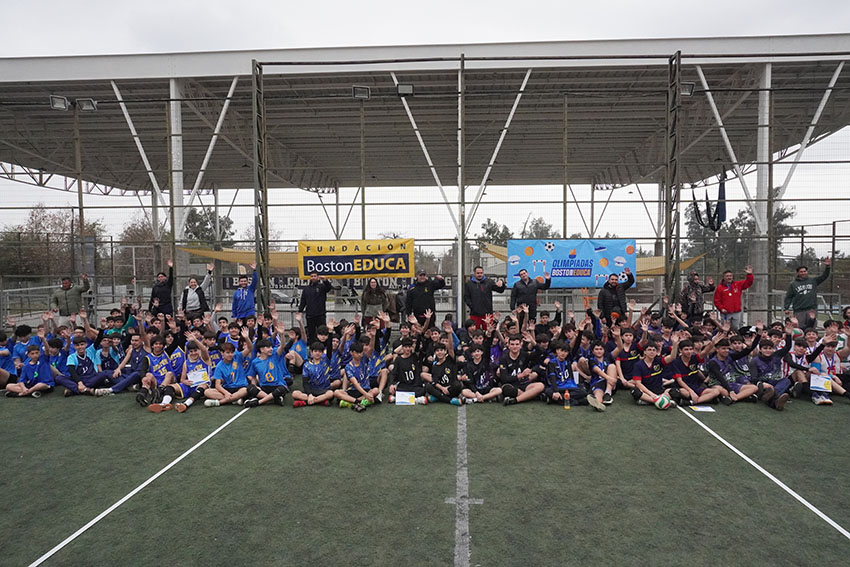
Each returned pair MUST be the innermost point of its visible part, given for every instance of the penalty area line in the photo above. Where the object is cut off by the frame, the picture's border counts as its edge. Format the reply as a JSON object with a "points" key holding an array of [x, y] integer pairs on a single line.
{"points": [[763, 471], [133, 492]]}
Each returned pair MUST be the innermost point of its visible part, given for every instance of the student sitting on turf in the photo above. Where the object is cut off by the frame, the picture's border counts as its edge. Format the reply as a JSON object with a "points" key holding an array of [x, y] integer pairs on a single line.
{"points": [[195, 377], [405, 374], [316, 377], [84, 370], [270, 371], [440, 377], [563, 387], [7, 365], [155, 370], [476, 376], [518, 382], [627, 355], [829, 365], [356, 391], [230, 377], [766, 368], [376, 353], [648, 374], [36, 376], [603, 377], [692, 388], [722, 368], [796, 366]]}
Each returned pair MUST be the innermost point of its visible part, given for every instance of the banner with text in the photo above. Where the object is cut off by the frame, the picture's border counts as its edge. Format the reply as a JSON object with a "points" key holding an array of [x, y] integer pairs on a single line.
{"points": [[356, 258], [571, 263]]}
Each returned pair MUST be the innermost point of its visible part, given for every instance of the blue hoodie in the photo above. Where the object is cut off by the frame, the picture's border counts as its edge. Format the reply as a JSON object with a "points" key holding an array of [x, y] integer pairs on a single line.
{"points": [[243, 300]]}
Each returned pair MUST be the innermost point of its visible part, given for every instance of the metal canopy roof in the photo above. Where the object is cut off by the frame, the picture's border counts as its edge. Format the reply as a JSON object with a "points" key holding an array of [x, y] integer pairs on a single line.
{"points": [[615, 109]]}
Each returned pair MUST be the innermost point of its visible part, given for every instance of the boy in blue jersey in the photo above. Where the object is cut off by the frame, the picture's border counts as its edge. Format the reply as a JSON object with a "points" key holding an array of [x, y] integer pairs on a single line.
{"points": [[23, 339], [157, 371], [270, 372], [130, 370], [230, 379], [194, 379], [36, 376], [563, 386], [316, 376], [355, 391], [7, 364], [84, 369]]}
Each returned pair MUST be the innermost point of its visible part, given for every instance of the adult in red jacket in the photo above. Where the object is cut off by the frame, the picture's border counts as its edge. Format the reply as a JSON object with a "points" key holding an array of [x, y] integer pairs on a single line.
{"points": [[727, 296]]}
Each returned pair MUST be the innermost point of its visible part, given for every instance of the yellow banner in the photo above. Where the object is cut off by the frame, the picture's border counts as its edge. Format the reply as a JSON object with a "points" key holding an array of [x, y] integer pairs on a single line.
{"points": [[356, 258]]}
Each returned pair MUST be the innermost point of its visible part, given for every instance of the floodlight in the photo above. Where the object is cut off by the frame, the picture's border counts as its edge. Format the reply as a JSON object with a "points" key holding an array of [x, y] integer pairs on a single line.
{"points": [[361, 93], [687, 89], [59, 102], [405, 90], [86, 104]]}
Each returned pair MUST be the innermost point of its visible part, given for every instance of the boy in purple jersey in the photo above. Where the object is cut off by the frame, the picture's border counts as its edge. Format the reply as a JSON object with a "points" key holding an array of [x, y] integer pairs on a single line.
{"points": [[563, 386], [603, 377], [692, 382], [476, 376], [628, 354], [36, 376], [647, 374], [720, 369], [766, 369]]}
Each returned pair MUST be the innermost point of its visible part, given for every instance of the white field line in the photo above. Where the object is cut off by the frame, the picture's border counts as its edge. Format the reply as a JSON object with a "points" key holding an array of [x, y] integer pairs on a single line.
{"points": [[778, 482], [461, 499], [132, 493]]}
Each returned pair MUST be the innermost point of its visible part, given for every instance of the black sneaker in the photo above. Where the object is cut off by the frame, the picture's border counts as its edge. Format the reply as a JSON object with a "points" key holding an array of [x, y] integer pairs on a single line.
{"points": [[796, 389], [752, 399], [499, 399], [726, 400], [760, 390], [675, 395], [509, 401], [606, 399], [142, 398], [156, 396], [252, 403], [781, 401], [10, 394]]}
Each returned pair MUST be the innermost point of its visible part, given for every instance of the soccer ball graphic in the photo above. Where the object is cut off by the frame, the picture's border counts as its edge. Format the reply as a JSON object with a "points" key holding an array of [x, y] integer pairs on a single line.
{"points": [[549, 246]]}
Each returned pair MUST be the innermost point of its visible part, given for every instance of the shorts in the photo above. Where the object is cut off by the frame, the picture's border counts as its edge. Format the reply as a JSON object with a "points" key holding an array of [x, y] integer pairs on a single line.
{"points": [[656, 389], [598, 384], [235, 389], [374, 382], [184, 391], [354, 393], [315, 391], [271, 389]]}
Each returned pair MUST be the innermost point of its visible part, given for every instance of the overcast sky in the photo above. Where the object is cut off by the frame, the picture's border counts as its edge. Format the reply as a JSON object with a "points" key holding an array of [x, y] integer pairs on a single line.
{"points": [[42, 27]]}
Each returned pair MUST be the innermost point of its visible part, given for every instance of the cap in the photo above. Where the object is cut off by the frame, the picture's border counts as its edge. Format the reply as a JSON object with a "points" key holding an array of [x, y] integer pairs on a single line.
{"points": [[421, 273]]}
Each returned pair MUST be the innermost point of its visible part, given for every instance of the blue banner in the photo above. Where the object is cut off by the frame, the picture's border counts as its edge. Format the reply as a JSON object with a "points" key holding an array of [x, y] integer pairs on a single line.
{"points": [[571, 263]]}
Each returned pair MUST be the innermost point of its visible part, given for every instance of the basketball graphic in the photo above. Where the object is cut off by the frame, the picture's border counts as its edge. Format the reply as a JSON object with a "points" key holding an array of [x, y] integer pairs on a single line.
{"points": [[529, 251], [540, 279], [630, 249], [603, 262]]}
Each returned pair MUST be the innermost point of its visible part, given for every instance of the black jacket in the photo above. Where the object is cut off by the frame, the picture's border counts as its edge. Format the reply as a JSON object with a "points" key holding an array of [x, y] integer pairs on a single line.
{"points": [[478, 295], [313, 298], [614, 298], [162, 291], [420, 295], [201, 298], [526, 293]]}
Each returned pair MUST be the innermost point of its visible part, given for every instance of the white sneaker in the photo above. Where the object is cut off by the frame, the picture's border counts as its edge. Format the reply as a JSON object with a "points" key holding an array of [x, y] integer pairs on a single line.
{"points": [[212, 403], [103, 392], [380, 397], [239, 402], [421, 400]]}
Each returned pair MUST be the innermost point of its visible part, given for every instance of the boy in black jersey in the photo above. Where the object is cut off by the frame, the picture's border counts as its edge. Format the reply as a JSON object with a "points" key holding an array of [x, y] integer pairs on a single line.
{"points": [[405, 374], [518, 382], [647, 374], [441, 377], [479, 384]]}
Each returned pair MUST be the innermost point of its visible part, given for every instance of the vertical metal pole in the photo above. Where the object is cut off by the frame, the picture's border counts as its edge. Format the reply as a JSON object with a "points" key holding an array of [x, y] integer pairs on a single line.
{"points": [[362, 170], [216, 246], [659, 282], [461, 191], [135, 282], [592, 210], [832, 259], [672, 187], [261, 205], [175, 146], [78, 169], [566, 176], [112, 262], [759, 252], [771, 225], [336, 212]]}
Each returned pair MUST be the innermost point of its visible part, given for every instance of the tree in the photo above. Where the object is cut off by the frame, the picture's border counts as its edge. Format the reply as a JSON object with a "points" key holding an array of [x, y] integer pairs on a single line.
{"points": [[200, 228], [729, 247], [539, 229], [493, 233], [47, 243]]}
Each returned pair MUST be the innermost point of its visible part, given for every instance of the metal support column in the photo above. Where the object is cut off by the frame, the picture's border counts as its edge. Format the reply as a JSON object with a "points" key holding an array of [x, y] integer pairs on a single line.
{"points": [[362, 170], [461, 192], [78, 170], [566, 176], [261, 205], [759, 246], [175, 150], [672, 186]]}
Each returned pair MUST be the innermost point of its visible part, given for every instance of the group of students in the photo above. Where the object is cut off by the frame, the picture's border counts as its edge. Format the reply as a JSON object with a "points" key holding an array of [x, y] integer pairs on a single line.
{"points": [[173, 362]]}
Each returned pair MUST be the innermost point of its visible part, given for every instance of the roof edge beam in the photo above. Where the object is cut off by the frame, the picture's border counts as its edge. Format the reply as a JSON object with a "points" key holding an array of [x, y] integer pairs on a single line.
{"points": [[808, 136], [760, 223]]}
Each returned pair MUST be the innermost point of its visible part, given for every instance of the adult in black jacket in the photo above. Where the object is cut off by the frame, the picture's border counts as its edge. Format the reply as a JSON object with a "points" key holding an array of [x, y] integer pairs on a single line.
{"points": [[161, 292], [612, 296], [420, 295], [314, 296], [478, 295], [525, 291]]}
